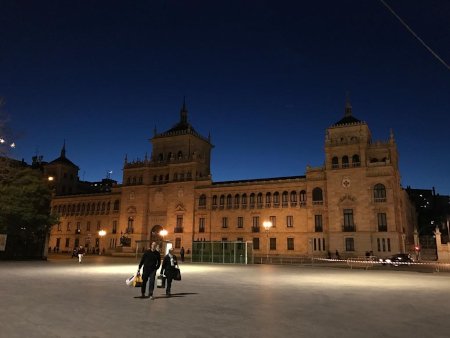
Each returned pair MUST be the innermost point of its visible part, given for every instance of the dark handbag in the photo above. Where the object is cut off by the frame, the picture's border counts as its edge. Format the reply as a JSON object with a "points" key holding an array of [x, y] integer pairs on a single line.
{"points": [[177, 274]]}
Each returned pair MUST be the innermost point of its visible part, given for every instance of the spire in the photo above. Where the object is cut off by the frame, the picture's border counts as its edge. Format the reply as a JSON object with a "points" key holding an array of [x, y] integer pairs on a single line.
{"points": [[183, 112], [348, 105], [126, 159], [63, 150], [391, 136]]}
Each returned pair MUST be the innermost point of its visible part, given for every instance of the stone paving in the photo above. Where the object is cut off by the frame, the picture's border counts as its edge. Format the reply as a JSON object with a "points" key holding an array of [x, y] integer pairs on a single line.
{"points": [[61, 298]]}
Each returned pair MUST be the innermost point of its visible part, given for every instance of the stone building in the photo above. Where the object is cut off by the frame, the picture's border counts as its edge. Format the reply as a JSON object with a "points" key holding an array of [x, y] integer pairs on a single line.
{"points": [[353, 204]]}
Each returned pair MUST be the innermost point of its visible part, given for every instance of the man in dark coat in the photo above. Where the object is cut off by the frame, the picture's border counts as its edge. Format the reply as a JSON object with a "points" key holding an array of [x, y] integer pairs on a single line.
{"points": [[169, 269], [151, 260]]}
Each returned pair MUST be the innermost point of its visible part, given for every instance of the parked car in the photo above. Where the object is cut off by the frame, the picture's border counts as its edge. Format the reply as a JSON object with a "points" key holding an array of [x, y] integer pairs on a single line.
{"points": [[398, 259]]}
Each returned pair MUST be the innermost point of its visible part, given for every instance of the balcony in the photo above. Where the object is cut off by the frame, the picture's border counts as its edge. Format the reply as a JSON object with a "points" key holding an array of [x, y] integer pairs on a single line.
{"points": [[178, 230], [349, 228]]}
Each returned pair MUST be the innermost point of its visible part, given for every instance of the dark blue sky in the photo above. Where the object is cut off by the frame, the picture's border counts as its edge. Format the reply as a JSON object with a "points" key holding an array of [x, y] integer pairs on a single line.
{"points": [[265, 78]]}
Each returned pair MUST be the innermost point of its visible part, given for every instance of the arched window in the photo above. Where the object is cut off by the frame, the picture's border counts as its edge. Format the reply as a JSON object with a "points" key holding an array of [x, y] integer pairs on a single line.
{"points": [[345, 161], [180, 155], [134, 180], [252, 200], [276, 199], [293, 198], [202, 201], [259, 200], [284, 199], [98, 206], [73, 209], [161, 157], [222, 201], [303, 197], [103, 206], [161, 177], [268, 199], [379, 193], [108, 206], [237, 200], [355, 160], [175, 177], [116, 205], [229, 201], [335, 162], [214, 201], [92, 208], [78, 207], [244, 201], [317, 196]]}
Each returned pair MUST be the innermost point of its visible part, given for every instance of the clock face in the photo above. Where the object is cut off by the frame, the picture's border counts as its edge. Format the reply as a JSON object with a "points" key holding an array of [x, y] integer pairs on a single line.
{"points": [[346, 182]]}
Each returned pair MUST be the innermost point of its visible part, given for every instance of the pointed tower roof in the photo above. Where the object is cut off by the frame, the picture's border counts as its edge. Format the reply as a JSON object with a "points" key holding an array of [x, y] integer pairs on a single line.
{"points": [[182, 127], [62, 158], [348, 114]]}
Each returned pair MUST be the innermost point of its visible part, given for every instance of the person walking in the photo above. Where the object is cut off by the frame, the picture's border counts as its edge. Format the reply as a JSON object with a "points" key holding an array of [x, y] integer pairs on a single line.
{"points": [[151, 261], [80, 253], [169, 269], [182, 254]]}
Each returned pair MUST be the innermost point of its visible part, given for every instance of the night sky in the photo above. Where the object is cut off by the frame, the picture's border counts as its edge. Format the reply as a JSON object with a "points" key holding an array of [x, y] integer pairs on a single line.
{"points": [[265, 78]]}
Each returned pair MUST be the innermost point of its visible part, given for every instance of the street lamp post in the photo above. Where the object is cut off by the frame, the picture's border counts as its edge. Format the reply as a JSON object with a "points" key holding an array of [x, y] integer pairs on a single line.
{"points": [[267, 225], [163, 233], [102, 234]]}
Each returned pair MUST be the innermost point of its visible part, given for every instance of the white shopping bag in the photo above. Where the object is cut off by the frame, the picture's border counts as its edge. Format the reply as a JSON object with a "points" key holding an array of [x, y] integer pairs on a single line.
{"points": [[130, 281]]}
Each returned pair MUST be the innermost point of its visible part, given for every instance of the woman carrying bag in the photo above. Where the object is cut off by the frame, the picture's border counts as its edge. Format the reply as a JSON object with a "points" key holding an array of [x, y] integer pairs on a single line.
{"points": [[170, 269]]}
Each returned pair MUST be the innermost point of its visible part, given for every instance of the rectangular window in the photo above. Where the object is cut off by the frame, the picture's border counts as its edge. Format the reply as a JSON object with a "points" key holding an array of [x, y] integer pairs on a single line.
{"points": [[289, 221], [382, 222], [224, 222], [383, 243], [273, 220], [349, 225], [255, 243], [88, 226], [323, 244], [389, 244], [273, 243], [114, 228], [349, 244], [318, 227], [59, 226], [256, 221], [177, 243], [378, 244], [201, 224], [240, 222], [179, 221], [315, 244], [67, 242], [290, 244]]}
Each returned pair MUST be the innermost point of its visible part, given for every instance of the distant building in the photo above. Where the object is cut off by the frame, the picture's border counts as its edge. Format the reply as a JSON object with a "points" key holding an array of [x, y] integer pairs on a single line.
{"points": [[353, 204]]}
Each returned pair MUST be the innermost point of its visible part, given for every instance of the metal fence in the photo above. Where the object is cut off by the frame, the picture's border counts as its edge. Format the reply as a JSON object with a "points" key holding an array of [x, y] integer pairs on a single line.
{"points": [[222, 252]]}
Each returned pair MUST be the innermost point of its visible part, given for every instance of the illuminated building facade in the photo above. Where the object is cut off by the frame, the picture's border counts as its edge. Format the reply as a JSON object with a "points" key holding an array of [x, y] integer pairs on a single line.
{"points": [[354, 203]]}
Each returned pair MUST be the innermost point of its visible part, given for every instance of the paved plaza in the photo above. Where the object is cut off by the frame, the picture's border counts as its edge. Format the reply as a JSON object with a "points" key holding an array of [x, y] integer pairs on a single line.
{"points": [[61, 298]]}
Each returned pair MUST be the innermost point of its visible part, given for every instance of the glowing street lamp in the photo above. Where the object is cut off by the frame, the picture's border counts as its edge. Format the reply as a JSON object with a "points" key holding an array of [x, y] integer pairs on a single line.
{"points": [[163, 233], [267, 225], [102, 234]]}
